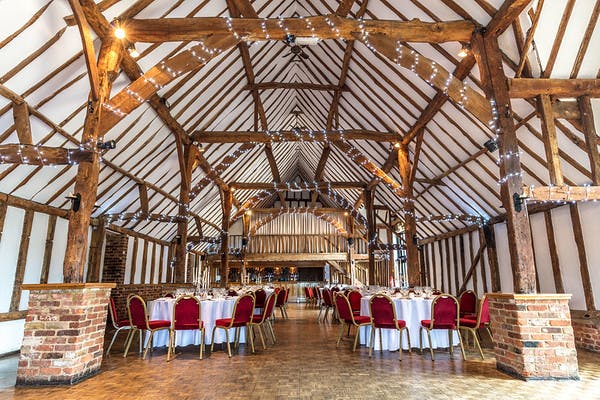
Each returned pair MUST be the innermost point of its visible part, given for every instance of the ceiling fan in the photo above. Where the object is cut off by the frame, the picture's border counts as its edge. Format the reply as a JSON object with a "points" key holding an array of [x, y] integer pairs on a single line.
{"points": [[296, 48]]}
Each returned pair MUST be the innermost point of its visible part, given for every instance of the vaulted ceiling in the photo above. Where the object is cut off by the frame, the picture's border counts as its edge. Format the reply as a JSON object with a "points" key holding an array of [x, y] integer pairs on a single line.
{"points": [[342, 86]]}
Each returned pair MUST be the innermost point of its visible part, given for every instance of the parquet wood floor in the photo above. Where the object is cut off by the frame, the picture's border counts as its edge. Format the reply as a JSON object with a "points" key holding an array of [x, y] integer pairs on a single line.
{"points": [[305, 364]]}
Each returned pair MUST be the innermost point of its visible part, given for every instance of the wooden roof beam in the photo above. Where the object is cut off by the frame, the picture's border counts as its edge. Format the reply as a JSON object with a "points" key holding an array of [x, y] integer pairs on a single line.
{"points": [[321, 26], [566, 88], [284, 186], [294, 86], [292, 136], [42, 155]]}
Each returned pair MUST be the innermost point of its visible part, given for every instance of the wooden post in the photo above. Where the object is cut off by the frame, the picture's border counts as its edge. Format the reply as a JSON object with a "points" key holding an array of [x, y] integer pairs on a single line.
{"points": [[410, 224], [489, 59], [350, 249], [227, 201], [86, 183], [245, 229], [93, 273], [189, 154], [550, 139], [589, 130], [369, 199]]}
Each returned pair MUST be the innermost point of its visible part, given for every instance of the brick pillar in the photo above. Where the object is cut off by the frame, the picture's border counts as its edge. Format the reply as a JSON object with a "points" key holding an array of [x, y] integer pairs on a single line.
{"points": [[533, 336], [63, 339], [115, 258]]}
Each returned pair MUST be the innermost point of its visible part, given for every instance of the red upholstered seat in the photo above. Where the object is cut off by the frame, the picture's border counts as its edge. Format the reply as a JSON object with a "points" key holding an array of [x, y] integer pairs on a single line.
{"points": [[383, 316], [263, 319], [348, 318], [327, 303], [227, 322], [242, 316], [360, 320], [123, 322], [354, 297], [444, 315], [260, 297], [159, 323]]}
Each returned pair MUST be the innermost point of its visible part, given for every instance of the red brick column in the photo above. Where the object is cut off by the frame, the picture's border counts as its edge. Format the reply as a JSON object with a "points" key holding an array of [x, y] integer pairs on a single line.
{"points": [[63, 340], [533, 336]]}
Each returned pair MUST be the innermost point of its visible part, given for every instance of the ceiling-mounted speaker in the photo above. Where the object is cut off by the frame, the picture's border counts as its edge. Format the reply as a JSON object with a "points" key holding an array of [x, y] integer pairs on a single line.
{"points": [[350, 241]]}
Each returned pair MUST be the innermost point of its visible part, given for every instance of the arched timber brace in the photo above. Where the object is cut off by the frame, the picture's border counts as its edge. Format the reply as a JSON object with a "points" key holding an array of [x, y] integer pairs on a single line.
{"points": [[86, 183]]}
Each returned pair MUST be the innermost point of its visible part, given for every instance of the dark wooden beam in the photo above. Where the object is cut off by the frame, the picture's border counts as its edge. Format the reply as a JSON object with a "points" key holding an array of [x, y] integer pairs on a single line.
{"points": [[89, 54], [293, 86], [43, 155], [583, 264], [550, 139], [22, 123], [226, 207], [532, 87], [258, 29], [591, 138]]}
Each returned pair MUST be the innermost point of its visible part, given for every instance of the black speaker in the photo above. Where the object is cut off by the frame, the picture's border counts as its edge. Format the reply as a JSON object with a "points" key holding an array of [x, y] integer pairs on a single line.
{"points": [[244, 241], [489, 235], [350, 241]]}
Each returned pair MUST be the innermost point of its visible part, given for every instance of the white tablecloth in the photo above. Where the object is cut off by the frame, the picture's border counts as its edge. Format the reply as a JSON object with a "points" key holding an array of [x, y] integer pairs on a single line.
{"points": [[211, 310], [412, 311]]}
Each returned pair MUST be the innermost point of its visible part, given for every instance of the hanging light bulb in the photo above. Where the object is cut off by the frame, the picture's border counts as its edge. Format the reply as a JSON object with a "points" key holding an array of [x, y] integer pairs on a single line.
{"points": [[120, 33], [464, 51], [132, 50]]}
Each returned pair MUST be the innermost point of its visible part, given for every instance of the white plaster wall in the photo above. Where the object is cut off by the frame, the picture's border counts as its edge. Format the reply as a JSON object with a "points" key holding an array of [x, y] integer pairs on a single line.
{"points": [[506, 277], [9, 252], [11, 333]]}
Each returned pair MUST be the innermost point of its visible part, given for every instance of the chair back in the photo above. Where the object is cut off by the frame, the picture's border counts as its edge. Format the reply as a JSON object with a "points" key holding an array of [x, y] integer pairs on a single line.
{"points": [[382, 310], [354, 298], [169, 296], [260, 297], [468, 302], [232, 292], [243, 309], [307, 292], [343, 307], [444, 312], [327, 297], [186, 313], [483, 316], [269, 306], [113, 312], [136, 308], [280, 300], [287, 293]]}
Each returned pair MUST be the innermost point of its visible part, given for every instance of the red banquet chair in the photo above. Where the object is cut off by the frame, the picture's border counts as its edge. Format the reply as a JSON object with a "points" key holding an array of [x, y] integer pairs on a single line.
{"points": [[482, 320], [262, 319], [326, 304], [138, 318], [232, 293], [444, 315], [468, 304], [243, 310], [347, 318], [383, 316], [186, 316], [118, 324]]}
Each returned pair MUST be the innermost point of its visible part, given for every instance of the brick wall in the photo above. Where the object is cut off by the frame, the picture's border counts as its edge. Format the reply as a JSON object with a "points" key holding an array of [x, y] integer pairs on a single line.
{"points": [[586, 327], [64, 334], [533, 336]]}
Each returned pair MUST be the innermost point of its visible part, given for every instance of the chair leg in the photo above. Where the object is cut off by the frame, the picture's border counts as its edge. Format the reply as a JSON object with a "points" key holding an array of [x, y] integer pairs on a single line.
{"points": [[489, 331], [227, 339], [408, 337], [149, 344], [340, 335], [319, 316], [201, 342], [272, 332], [171, 345], [212, 340], [421, 339], [380, 341], [430, 346], [477, 343], [251, 337], [130, 339], [462, 348], [371, 341], [262, 337], [113, 340], [356, 338], [450, 344], [400, 348]]}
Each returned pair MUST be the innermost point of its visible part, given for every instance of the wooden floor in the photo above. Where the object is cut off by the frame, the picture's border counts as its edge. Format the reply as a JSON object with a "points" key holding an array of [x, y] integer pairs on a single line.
{"points": [[305, 364]]}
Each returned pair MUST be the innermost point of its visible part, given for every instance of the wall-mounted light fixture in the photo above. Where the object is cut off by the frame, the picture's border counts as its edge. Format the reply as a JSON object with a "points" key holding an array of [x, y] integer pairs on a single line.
{"points": [[111, 144], [75, 201]]}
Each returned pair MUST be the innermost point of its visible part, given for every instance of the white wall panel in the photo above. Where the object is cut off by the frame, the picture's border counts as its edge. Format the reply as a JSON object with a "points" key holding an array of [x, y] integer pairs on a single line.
{"points": [[590, 225], [542, 254], [58, 251], [506, 276], [35, 255], [9, 249]]}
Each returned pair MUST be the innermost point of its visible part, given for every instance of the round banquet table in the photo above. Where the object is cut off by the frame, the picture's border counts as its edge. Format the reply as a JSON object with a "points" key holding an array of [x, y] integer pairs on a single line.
{"points": [[211, 310], [412, 311]]}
